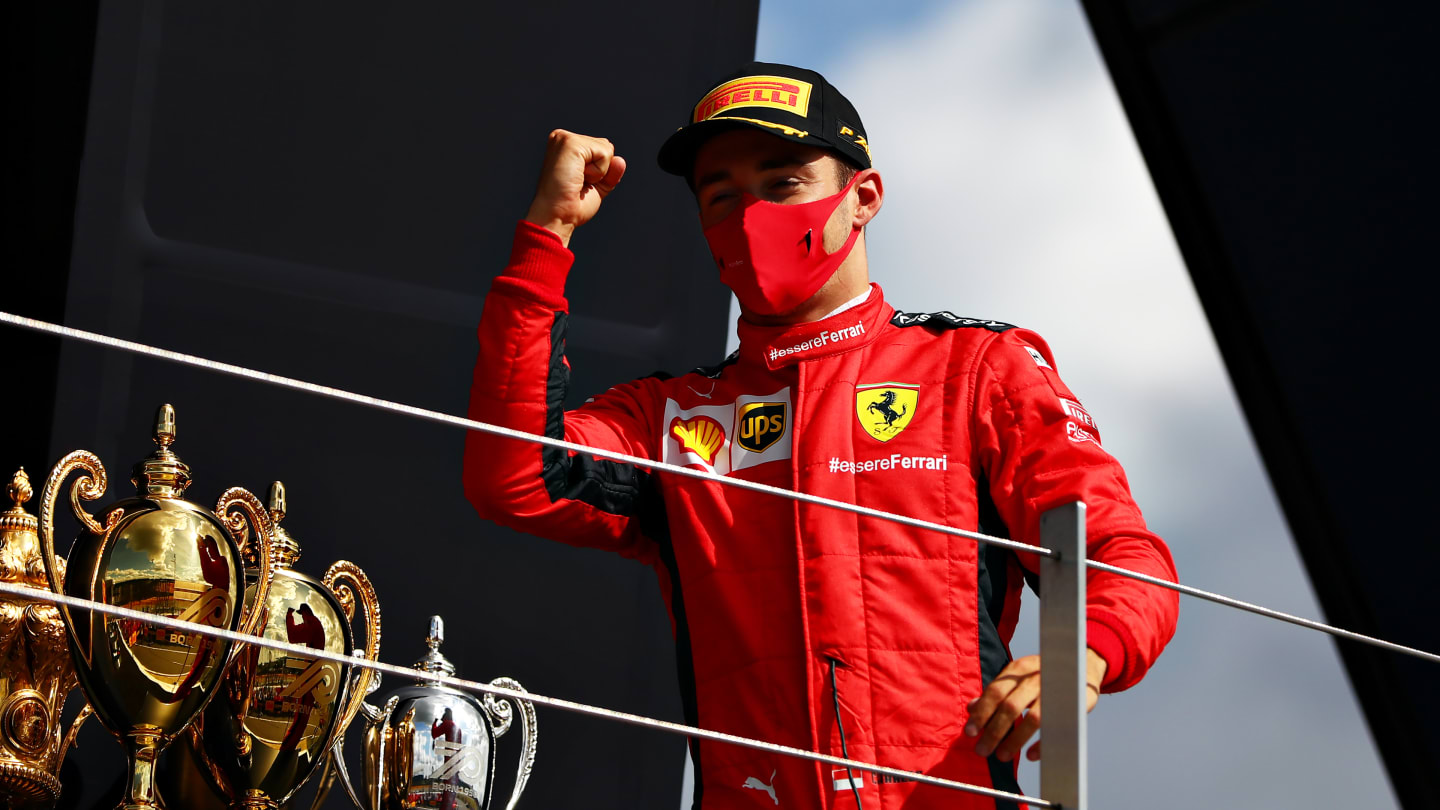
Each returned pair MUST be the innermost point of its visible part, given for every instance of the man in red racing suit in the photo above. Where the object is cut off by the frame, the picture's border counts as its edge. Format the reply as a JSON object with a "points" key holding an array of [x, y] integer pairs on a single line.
{"points": [[783, 610]]}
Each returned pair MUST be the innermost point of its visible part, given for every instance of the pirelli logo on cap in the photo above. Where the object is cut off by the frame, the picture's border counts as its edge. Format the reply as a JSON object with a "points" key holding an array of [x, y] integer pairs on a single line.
{"points": [[775, 92]]}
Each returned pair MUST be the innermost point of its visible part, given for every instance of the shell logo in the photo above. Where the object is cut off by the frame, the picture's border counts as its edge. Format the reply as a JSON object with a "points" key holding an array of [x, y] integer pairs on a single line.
{"points": [[700, 435]]}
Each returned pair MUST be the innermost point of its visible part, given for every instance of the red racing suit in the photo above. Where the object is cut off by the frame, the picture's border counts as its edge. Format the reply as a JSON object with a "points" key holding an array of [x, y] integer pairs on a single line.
{"points": [[782, 609]]}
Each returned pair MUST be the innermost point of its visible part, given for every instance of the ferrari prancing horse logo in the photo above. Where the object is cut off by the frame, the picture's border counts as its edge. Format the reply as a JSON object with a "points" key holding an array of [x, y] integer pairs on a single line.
{"points": [[885, 409]]}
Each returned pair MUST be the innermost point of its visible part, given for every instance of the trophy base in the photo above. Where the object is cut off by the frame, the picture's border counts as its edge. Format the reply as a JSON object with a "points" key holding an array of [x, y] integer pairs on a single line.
{"points": [[255, 800], [24, 785]]}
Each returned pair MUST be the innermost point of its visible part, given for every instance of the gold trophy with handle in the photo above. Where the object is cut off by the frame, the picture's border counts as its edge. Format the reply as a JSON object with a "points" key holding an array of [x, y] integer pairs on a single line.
{"points": [[160, 554], [35, 671], [279, 715]]}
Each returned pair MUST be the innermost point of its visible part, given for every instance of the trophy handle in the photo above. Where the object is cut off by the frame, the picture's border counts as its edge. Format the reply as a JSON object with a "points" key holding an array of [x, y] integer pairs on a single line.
{"points": [[377, 720], [247, 506], [501, 713], [89, 486], [74, 730], [349, 584]]}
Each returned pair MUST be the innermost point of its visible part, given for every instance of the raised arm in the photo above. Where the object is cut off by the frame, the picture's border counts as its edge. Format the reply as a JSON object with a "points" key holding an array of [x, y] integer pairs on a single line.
{"points": [[522, 376]]}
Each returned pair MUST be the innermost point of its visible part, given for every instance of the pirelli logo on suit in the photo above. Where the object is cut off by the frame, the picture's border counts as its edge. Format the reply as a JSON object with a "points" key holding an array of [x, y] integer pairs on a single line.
{"points": [[723, 438]]}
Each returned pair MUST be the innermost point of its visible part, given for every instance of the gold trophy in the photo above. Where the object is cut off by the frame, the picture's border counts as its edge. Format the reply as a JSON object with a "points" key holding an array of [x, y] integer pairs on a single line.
{"points": [[35, 670], [280, 715], [162, 555]]}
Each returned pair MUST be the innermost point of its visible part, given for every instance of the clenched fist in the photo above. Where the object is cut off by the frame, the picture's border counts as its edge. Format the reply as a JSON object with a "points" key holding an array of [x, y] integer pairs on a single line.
{"points": [[579, 172]]}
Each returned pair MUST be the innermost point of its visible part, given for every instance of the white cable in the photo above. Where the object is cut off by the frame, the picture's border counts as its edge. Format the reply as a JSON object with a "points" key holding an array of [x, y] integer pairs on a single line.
{"points": [[497, 430], [482, 427], [500, 691]]}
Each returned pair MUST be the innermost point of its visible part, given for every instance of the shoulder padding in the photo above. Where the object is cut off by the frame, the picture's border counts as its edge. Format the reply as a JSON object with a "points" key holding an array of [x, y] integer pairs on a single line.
{"points": [[947, 320]]}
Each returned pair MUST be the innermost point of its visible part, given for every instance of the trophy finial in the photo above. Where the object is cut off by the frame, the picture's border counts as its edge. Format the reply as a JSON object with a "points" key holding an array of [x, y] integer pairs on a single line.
{"points": [[433, 661], [287, 550], [19, 488], [163, 474], [165, 425], [277, 501]]}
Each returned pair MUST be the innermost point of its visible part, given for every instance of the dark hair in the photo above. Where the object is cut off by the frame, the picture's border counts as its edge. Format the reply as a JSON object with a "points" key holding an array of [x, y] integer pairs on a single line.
{"points": [[845, 170]]}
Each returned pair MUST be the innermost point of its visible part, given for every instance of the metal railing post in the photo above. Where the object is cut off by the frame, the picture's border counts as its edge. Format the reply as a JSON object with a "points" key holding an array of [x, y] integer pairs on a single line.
{"points": [[1062, 656]]}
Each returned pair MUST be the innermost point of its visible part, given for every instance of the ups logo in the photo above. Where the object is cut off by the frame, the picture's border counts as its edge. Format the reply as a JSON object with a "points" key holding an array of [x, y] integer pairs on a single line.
{"points": [[761, 424]]}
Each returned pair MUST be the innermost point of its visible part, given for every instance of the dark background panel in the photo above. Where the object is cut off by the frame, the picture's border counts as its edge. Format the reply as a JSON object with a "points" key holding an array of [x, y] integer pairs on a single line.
{"points": [[48, 52], [324, 191], [1289, 142]]}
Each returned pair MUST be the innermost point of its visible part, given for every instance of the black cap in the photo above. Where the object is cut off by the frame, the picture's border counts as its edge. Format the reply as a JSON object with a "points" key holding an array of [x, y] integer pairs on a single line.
{"points": [[789, 102]]}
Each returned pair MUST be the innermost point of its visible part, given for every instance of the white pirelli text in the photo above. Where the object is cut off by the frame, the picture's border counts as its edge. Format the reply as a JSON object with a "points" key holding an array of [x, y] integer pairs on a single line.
{"points": [[895, 461]]}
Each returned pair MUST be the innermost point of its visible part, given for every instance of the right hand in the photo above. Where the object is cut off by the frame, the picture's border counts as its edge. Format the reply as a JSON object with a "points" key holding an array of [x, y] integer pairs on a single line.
{"points": [[579, 172]]}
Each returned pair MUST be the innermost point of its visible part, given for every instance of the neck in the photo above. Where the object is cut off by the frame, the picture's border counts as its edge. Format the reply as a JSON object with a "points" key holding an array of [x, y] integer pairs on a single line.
{"points": [[851, 278]]}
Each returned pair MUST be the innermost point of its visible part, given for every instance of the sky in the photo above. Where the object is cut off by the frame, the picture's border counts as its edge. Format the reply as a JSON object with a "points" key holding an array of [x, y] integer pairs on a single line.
{"points": [[1015, 191]]}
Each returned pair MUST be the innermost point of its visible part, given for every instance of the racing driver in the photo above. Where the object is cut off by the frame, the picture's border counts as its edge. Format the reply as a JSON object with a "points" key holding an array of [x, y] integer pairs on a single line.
{"points": [[796, 623]]}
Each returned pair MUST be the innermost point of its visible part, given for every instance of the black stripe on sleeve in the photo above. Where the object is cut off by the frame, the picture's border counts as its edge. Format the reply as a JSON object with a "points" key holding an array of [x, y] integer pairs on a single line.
{"points": [[609, 486]]}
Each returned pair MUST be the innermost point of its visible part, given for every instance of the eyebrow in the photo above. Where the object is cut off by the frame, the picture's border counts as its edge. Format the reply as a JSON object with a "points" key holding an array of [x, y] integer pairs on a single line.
{"points": [[766, 165]]}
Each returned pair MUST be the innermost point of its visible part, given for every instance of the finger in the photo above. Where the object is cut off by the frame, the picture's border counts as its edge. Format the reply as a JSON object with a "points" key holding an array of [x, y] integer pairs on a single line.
{"points": [[612, 177], [597, 154], [983, 707], [1023, 730], [1009, 710], [1034, 753]]}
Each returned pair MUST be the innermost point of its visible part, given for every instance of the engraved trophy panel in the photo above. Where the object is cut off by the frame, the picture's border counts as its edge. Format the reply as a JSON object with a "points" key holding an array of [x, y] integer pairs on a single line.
{"points": [[277, 717], [451, 754], [166, 560]]}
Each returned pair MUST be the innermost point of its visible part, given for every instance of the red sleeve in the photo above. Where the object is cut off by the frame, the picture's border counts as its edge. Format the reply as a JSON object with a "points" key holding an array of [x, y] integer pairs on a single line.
{"points": [[521, 379], [1040, 449]]}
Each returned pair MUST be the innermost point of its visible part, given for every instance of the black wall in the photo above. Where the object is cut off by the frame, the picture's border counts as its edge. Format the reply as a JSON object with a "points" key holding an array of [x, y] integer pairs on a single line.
{"points": [[1292, 146], [325, 191]]}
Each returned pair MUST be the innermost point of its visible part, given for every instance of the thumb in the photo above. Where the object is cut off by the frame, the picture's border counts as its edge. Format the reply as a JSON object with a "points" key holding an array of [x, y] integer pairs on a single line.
{"points": [[607, 183]]}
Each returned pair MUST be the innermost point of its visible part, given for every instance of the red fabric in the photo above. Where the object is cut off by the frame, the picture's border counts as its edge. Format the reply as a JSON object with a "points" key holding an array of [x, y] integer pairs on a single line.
{"points": [[774, 591], [538, 265], [771, 255]]}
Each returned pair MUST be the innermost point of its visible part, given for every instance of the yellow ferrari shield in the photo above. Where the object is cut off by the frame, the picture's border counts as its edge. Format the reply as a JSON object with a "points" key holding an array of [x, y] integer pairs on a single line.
{"points": [[885, 409]]}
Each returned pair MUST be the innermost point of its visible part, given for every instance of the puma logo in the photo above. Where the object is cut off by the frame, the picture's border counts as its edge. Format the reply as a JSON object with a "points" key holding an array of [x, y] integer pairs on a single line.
{"points": [[756, 784]]}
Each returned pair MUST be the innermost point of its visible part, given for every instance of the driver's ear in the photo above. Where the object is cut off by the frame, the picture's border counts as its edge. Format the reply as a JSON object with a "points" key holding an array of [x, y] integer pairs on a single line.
{"points": [[869, 196]]}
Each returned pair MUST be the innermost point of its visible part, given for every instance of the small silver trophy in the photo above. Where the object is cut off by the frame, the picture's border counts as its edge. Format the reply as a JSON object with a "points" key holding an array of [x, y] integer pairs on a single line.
{"points": [[432, 746]]}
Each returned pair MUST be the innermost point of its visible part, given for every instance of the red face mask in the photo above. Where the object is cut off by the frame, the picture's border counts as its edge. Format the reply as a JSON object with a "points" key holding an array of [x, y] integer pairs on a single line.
{"points": [[772, 256]]}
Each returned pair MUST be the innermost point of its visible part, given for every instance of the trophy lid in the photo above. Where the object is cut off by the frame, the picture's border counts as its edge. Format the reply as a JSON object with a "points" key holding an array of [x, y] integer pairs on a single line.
{"points": [[287, 550], [163, 474], [433, 661], [20, 542], [16, 518]]}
